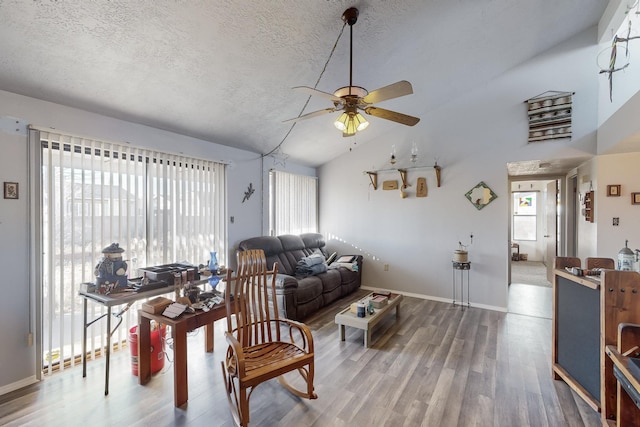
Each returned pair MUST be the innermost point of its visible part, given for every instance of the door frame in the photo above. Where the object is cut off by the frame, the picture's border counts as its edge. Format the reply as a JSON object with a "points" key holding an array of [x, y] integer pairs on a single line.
{"points": [[561, 233]]}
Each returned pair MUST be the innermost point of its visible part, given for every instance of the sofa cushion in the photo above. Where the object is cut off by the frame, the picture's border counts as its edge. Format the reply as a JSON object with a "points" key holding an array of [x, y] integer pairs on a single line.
{"points": [[331, 286], [314, 242], [309, 289], [350, 280], [271, 246], [294, 250], [331, 280]]}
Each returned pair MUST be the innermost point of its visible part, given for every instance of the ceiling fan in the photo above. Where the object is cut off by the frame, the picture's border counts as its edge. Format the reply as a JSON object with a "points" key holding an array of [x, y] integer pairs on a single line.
{"points": [[350, 99]]}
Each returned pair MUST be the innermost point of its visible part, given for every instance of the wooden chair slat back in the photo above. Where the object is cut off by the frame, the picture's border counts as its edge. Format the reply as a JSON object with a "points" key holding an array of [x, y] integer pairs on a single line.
{"points": [[253, 307]]}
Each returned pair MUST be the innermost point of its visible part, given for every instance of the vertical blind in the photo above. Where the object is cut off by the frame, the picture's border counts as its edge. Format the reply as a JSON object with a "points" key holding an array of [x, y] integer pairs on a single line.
{"points": [[161, 208], [293, 203]]}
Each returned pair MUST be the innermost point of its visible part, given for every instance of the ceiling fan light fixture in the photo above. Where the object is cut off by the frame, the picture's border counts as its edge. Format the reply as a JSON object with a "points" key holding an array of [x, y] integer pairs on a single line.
{"points": [[361, 122], [350, 123], [341, 122]]}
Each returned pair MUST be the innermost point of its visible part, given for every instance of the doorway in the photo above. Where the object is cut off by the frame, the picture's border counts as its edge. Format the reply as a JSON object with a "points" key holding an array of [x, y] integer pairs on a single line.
{"points": [[535, 230]]}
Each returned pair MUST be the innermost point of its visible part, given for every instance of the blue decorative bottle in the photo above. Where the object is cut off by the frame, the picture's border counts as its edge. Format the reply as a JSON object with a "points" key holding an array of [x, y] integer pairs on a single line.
{"points": [[214, 268]]}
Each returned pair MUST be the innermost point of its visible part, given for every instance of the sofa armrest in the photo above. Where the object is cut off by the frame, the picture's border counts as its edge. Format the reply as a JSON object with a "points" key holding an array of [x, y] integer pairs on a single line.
{"points": [[286, 282]]}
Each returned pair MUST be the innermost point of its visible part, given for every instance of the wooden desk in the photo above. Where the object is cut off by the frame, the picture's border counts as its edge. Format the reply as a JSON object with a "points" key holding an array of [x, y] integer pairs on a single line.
{"points": [[179, 328]]}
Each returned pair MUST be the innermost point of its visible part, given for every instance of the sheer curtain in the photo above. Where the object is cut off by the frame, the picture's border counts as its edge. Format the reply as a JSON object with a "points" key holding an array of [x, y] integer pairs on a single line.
{"points": [[293, 203], [161, 208]]}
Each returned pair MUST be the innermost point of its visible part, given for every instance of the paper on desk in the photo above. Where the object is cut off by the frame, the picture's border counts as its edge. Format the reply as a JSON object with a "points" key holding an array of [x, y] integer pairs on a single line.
{"points": [[174, 310]]}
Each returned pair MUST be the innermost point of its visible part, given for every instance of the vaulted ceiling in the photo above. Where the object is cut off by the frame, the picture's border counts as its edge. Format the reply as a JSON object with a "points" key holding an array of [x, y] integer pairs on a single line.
{"points": [[223, 70]]}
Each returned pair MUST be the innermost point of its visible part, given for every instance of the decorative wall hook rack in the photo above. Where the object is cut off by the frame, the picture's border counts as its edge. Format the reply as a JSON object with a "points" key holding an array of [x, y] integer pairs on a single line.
{"points": [[373, 175]]}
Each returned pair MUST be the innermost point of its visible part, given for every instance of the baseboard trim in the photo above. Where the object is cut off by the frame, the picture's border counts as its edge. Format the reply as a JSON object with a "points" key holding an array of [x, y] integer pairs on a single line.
{"points": [[432, 298], [18, 385]]}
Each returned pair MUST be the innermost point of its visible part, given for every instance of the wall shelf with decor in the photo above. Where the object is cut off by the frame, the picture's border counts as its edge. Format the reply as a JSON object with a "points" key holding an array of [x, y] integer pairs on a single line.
{"points": [[373, 175], [589, 206]]}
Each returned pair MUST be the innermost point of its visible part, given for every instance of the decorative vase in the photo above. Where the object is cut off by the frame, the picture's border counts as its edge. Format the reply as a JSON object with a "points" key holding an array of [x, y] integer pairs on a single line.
{"points": [[214, 267], [213, 263]]}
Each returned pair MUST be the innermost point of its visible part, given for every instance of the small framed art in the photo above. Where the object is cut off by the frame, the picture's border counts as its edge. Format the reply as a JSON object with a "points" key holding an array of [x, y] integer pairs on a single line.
{"points": [[10, 190], [613, 190], [635, 198]]}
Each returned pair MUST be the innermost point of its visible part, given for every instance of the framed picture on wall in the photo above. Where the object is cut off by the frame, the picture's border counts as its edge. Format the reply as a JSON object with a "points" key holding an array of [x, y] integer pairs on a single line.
{"points": [[10, 190], [635, 198], [613, 190]]}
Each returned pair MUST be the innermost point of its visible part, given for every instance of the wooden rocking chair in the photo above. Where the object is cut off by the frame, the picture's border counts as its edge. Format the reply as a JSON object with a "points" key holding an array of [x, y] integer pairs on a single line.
{"points": [[257, 352]]}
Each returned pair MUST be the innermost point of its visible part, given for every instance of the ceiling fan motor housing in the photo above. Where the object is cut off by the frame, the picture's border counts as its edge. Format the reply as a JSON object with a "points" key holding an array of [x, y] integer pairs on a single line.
{"points": [[351, 90]]}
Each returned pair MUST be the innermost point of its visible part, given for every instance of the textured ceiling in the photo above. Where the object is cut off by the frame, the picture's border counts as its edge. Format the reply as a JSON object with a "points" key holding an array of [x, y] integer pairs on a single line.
{"points": [[549, 168], [223, 70]]}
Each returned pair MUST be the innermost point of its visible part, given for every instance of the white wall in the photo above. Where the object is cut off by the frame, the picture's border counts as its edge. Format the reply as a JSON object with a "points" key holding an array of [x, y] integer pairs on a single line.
{"points": [[473, 138], [617, 169], [587, 174], [16, 310], [618, 122], [18, 360], [626, 83]]}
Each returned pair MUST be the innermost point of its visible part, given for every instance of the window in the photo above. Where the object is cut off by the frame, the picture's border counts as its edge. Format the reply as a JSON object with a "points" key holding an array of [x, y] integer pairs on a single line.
{"points": [[159, 207], [293, 203], [524, 216]]}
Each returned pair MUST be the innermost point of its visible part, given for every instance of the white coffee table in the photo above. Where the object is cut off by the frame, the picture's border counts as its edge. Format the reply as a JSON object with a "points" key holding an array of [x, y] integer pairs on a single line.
{"points": [[347, 318]]}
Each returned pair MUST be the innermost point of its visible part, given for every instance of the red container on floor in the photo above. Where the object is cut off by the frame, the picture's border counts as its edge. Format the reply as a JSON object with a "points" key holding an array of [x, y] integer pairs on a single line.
{"points": [[157, 353]]}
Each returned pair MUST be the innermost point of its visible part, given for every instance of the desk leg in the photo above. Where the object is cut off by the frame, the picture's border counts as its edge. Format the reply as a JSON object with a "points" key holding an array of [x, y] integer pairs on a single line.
{"points": [[341, 329], [84, 337], [208, 338], [107, 352], [180, 386], [144, 350], [367, 336]]}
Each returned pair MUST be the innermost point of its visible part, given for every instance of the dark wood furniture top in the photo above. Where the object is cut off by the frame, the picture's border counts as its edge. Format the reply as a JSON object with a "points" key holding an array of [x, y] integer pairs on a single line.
{"points": [[606, 263]]}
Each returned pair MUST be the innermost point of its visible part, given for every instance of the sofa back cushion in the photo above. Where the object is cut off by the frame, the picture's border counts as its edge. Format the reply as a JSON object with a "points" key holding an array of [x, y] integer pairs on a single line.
{"points": [[314, 242]]}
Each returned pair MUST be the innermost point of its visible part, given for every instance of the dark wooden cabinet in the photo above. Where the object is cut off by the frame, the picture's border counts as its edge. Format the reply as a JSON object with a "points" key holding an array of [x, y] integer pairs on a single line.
{"points": [[589, 315]]}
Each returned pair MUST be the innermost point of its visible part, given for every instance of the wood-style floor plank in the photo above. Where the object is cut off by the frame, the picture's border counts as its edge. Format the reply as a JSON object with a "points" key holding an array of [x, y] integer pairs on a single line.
{"points": [[436, 365]]}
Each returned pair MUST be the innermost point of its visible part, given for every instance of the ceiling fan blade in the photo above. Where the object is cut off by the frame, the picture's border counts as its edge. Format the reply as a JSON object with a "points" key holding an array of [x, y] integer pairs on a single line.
{"points": [[392, 115], [312, 91], [394, 90], [312, 114]]}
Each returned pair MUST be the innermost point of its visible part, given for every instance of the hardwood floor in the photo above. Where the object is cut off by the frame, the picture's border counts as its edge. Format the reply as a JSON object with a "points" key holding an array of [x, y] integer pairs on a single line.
{"points": [[436, 366]]}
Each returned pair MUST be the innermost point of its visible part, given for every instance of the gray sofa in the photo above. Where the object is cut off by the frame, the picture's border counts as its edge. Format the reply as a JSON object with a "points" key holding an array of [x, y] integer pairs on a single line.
{"points": [[299, 297]]}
